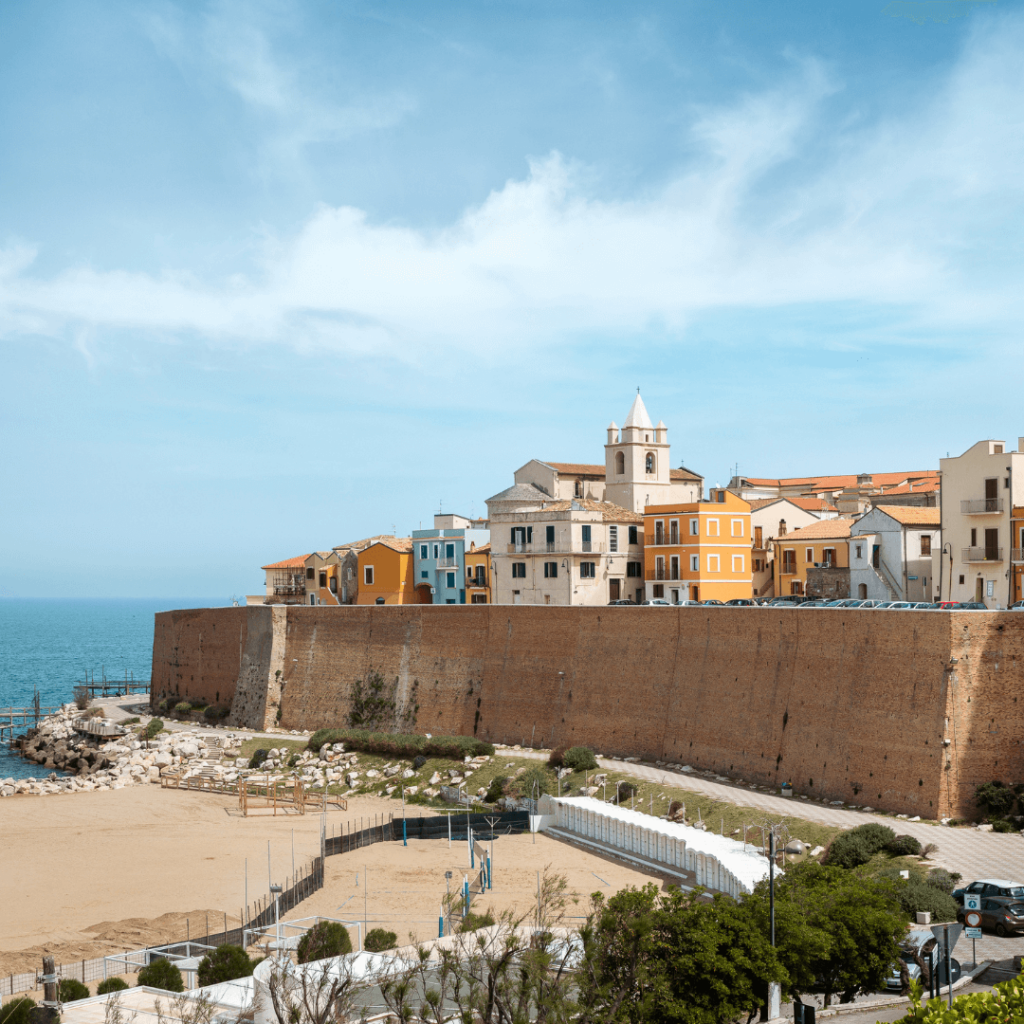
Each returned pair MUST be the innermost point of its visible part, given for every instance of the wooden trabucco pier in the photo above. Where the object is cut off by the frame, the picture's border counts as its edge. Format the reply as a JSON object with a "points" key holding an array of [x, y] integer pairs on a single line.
{"points": [[21, 718], [112, 687]]}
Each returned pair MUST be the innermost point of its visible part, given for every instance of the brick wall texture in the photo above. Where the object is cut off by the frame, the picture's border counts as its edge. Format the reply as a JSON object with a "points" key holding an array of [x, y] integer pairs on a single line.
{"points": [[902, 711]]}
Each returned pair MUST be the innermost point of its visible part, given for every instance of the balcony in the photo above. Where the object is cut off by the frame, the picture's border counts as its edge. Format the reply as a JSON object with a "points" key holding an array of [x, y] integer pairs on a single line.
{"points": [[448, 563], [476, 581], [662, 574], [543, 547], [981, 507], [982, 555], [788, 569], [297, 589], [1017, 555], [661, 540]]}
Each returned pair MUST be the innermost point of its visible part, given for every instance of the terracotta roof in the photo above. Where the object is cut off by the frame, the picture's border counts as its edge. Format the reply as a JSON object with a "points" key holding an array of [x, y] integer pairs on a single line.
{"points": [[298, 562], [762, 503], [403, 545], [911, 515], [482, 550], [576, 468], [610, 512], [682, 473], [831, 483], [827, 529], [358, 545], [813, 504], [918, 487]]}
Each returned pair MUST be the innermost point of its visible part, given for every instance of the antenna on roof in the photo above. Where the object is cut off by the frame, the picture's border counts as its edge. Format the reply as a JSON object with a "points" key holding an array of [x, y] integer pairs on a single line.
{"points": [[638, 389]]}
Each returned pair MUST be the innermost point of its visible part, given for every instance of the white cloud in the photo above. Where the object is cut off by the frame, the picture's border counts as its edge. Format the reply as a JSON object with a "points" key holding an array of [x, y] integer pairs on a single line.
{"points": [[778, 206]]}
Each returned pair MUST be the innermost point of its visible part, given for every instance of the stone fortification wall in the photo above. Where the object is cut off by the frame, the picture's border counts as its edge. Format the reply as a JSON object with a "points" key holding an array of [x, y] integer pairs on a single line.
{"points": [[905, 711]]}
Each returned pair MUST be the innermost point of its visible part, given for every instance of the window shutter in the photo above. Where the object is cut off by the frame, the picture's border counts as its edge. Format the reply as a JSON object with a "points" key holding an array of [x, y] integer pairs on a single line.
{"points": [[529, 534]]}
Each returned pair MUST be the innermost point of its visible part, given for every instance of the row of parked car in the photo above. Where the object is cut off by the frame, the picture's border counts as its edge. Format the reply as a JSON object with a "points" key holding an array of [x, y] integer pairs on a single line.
{"points": [[797, 601]]}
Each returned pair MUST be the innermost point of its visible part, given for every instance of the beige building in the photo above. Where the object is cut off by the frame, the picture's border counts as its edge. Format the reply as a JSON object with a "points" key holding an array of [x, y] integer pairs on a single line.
{"points": [[636, 473], [772, 518], [850, 494], [979, 492], [891, 550], [575, 552]]}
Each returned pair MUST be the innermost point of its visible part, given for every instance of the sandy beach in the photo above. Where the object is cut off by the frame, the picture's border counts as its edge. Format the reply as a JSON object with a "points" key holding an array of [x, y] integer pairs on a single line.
{"points": [[90, 874]]}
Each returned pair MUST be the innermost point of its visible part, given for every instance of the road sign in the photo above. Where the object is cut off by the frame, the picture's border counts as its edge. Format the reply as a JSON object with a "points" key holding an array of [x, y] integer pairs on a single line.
{"points": [[972, 901], [941, 931], [972, 919], [973, 933]]}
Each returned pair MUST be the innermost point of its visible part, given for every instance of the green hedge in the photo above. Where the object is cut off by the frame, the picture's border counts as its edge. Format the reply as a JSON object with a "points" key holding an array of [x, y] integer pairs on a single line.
{"points": [[379, 939], [1005, 1002], [16, 1011], [401, 744], [70, 990], [111, 985]]}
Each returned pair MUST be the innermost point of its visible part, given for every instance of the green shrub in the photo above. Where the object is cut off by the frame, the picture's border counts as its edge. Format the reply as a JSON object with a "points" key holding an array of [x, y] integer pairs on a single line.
{"points": [[1002, 825], [225, 963], [183, 707], [402, 744], [152, 730], [534, 782], [162, 974], [293, 760], [903, 846], [943, 880], [379, 939], [471, 922], [915, 895], [995, 799], [580, 759], [134, 720], [496, 789], [215, 714], [16, 1011], [858, 846], [111, 985], [624, 791], [258, 757], [325, 939], [70, 990]]}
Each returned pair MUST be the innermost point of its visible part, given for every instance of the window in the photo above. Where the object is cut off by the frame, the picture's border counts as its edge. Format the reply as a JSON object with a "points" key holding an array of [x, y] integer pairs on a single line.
{"points": [[323, 579], [632, 535], [519, 570], [974, 538], [695, 563], [620, 464], [808, 554], [862, 591], [758, 540], [613, 538], [311, 575], [424, 548], [587, 570], [860, 550], [450, 580], [449, 551], [633, 569], [998, 449], [737, 527], [673, 532], [368, 575], [712, 527], [577, 489], [437, 550], [926, 543], [737, 563], [585, 529], [649, 463], [782, 527], [961, 581], [659, 531], [789, 561], [673, 567], [694, 527], [423, 574], [658, 590], [550, 570], [828, 556], [549, 534], [713, 563]]}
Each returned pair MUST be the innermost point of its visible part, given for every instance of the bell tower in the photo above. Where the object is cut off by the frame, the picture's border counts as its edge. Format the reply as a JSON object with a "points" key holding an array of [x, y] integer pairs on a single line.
{"points": [[637, 461]]}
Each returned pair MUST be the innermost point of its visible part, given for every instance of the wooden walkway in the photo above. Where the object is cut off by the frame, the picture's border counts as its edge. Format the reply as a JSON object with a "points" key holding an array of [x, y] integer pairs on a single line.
{"points": [[289, 796], [21, 718]]}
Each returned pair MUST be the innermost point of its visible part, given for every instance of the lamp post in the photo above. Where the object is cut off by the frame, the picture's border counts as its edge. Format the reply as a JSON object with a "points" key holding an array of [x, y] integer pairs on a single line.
{"points": [[947, 548]]}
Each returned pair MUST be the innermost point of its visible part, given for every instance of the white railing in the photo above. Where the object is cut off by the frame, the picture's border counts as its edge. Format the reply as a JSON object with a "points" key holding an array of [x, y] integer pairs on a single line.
{"points": [[979, 506]]}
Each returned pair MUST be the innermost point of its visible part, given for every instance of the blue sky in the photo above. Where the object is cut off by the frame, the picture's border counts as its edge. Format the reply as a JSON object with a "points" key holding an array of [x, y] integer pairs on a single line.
{"points": [[277, 276]]}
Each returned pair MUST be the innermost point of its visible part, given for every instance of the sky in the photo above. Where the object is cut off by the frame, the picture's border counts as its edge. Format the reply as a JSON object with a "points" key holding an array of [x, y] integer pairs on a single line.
{"points": [[275, 276]]}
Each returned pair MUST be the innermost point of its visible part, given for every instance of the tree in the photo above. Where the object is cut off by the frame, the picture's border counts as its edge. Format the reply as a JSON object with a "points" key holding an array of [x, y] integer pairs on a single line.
{"points": [[836, 932], [312, 993], [111, 985], [162, 974], [674, 956], [16, 1011], [379, 939], [71, 989], [225, 963], [325, 939]]}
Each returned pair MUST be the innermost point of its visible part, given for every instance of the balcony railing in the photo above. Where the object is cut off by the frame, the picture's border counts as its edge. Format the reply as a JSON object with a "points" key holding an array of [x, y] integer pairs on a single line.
{"points": [[662, 574], [659, 540], [542, 547], [788, 568], [982, 554], [289, 590], [476, 581], [447, 563], [981, 506], [1017, 555]]}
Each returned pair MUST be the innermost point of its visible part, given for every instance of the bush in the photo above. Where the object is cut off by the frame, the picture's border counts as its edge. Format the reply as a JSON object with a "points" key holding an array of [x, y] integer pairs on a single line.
{"points": [[903, 846], [995, 799], [69, 990], [858, 846], [535, 781], [624, 791], [580, 759], [915, 895], [408, 745], [111, 985], [943, 880], [162, 974], [1002, 825], [216, 714], [472, 921], [82, 700], [183, 707], [379, 939], [152, 730], [258, 757], [293, 760], [496, 789], [225, 963], [556, 759], [325, 939], [418, 762], [16, 1011]]}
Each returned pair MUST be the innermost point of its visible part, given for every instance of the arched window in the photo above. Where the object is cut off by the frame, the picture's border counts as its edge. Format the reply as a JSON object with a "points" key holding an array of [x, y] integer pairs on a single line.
{"points": [[578, 489], [620, 464], [649, 462]]}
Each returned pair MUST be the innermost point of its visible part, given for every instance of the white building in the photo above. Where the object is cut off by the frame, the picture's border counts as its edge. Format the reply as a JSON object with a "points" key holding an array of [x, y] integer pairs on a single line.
{"points": [[775, 517], [891, 553]]}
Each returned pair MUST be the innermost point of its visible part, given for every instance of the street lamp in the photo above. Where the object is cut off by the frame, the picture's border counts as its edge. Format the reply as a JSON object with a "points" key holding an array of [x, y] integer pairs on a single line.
{"points": [[947, 548]]}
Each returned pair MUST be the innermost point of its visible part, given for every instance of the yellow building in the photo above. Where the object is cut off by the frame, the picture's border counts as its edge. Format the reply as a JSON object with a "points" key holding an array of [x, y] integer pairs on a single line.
{"points": [[386, 573], [698, 551], [1017, 553], [821, 544], [478, 573]]}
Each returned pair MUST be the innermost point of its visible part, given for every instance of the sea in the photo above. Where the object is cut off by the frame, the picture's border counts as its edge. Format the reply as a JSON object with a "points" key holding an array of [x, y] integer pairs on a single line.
{"points": [[48, 645]]}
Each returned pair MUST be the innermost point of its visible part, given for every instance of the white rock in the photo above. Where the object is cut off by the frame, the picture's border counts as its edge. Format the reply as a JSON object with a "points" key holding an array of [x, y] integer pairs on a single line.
{"points": [[435, 779], [408, 773], [372, 773]]}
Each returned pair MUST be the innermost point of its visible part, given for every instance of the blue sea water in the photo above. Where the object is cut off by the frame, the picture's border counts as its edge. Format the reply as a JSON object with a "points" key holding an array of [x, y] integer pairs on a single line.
{"points": [[51, 644]]}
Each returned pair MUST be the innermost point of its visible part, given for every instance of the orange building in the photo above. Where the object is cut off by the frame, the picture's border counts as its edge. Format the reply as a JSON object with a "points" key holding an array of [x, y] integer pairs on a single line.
{"points": [[821, 544], [386, 573], [698, 551], [478, 573]]}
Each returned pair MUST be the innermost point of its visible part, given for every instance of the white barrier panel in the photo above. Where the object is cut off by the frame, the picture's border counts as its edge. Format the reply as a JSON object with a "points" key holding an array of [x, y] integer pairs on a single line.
{"points": [[718, 863]]}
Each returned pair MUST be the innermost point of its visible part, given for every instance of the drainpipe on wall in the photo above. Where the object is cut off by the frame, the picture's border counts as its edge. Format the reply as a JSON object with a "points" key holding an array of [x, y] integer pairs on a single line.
{"points": [[1009, 550]]}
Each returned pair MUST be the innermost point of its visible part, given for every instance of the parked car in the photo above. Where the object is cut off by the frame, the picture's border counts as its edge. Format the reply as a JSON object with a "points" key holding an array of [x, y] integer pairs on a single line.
{"points": [[621, 601], [849, 602], [1002, 915], [925, 606], [713, 601], [660, 601], [868, 604], [963, 606], [788, 601], [741, 602], [812, 604], [1017, 606], [899, 606], [990, 887], [915, 942]]}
